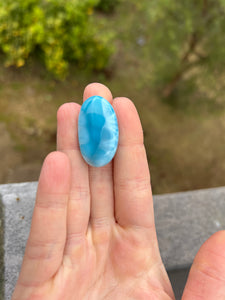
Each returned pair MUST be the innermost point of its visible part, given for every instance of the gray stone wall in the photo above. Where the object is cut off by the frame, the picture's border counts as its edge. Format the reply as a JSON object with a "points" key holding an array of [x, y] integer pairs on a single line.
{"points": [[183, 222]]}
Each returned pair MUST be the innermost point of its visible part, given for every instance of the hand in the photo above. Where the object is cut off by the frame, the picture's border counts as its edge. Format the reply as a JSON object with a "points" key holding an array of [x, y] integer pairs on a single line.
{"points": [[93, 235]]}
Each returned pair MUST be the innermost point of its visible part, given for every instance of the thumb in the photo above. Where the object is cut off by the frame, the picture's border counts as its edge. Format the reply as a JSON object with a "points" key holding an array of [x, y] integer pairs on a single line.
{"points": [[206, 280]]}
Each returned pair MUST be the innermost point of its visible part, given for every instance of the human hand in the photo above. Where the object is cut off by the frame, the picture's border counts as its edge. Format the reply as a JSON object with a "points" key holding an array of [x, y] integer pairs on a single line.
{"points": [[93, 234]]}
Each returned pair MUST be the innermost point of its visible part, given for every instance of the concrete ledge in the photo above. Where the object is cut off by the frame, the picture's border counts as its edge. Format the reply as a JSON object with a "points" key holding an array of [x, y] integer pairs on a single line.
{"points": [[17, 205], [183, 222]]}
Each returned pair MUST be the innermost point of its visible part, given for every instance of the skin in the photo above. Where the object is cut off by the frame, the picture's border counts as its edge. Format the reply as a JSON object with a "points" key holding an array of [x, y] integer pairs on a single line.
{"points": [[93, 234]]}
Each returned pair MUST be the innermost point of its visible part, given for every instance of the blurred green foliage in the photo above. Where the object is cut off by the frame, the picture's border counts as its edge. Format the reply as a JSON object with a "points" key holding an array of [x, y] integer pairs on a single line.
{"points": [[107, 6], [62, 31], [185, 36]]}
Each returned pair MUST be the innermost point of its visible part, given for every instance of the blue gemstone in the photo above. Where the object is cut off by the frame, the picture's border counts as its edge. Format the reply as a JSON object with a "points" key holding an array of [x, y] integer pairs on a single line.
{"points": [[98, 131]]}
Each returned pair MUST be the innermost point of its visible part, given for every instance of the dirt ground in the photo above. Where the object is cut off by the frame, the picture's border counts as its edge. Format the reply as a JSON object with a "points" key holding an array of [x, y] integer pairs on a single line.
{"points": [[185, 150]]}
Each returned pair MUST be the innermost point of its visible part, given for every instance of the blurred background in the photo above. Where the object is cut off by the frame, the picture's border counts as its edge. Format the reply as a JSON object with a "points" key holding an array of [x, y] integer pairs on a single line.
{"points": [[167, 56]]}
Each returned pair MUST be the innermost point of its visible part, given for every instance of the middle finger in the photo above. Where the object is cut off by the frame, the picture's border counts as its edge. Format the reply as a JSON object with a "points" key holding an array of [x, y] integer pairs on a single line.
{"points": [[100, 178]]}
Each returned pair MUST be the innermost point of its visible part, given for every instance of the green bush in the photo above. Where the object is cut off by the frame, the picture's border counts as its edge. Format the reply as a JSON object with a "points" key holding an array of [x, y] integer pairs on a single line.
{"points": [[107, 6], [63, 31]]}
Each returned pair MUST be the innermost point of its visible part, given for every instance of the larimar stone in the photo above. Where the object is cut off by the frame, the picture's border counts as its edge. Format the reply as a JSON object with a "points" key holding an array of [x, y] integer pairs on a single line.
{"points": [[98, 131]]}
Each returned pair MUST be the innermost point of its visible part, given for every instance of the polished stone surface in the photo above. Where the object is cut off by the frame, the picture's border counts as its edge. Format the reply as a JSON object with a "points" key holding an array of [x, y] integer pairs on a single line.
{"points": [[98, 131]]}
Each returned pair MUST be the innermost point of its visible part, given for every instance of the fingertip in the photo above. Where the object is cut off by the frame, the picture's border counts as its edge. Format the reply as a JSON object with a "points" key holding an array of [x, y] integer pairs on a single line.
{"points": [[124, 104], [56, 158], [214, 245], [217, 238], [124, 99], [67, 118], [99, 89], [66, 109], [55, 173]]}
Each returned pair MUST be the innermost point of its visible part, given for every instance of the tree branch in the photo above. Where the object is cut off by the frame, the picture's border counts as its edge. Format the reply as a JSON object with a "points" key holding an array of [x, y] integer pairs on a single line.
{"points": [[192, 44], [167, 91]]}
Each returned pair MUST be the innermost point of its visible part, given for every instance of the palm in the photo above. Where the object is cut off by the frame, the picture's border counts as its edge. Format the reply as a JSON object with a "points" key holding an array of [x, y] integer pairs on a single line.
{"points": [[118, 265], [93, 234]]}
